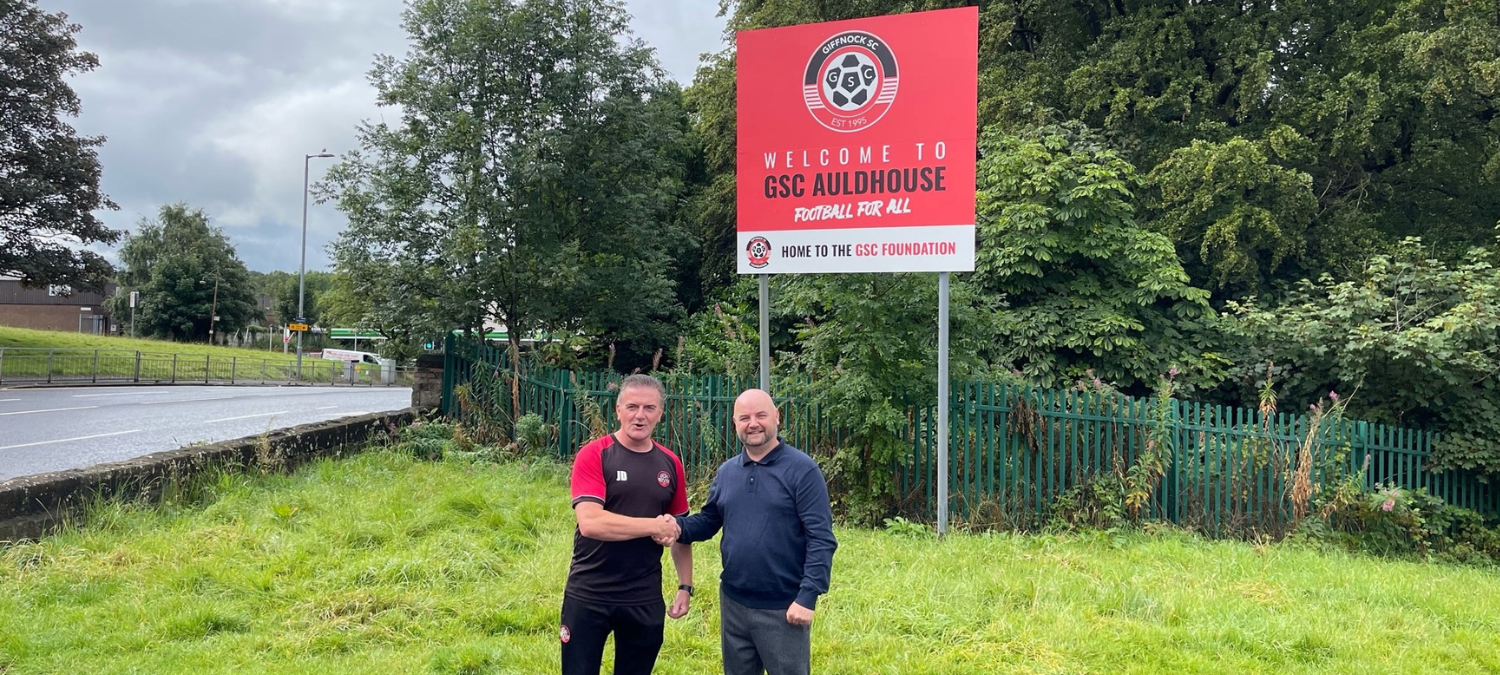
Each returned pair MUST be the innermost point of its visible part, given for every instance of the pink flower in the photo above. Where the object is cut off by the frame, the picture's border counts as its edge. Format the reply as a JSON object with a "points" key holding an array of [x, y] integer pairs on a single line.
{"points": [[1312, 406], [1333, 396], [1172, 372], [1389, 504]]}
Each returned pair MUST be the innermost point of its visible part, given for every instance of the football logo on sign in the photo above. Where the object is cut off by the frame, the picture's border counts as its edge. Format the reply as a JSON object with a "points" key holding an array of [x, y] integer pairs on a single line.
{"points": [[664, 479], [850, 81], [759, 252]]}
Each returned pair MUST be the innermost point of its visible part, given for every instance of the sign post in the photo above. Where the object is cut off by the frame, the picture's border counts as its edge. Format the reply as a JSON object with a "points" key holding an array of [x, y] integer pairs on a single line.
{"points": [[856, 153]]}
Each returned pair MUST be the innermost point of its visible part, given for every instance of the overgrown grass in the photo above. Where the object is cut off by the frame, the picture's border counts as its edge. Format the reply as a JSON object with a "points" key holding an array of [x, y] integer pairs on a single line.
{"points": [[387, 564], [49, 339]]}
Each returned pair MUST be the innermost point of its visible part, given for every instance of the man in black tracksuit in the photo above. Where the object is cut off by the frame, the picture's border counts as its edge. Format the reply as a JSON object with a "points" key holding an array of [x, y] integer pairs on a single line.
{"points": [[626, 488], [772, 502]]}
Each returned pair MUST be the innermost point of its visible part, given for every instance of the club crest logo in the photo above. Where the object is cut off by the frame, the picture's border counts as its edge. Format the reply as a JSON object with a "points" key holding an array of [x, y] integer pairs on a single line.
{"points": [[565, 634], [759, 252], [850, 81], [664, 479]]}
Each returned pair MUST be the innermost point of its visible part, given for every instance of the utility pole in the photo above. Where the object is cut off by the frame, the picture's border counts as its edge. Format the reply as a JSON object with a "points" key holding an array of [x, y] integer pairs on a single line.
{"points": [[213, 310], [302, 267]]}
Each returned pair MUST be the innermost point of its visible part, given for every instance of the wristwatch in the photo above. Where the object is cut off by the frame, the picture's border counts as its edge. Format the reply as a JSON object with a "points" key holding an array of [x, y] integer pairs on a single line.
{"points": [[685, 587]]}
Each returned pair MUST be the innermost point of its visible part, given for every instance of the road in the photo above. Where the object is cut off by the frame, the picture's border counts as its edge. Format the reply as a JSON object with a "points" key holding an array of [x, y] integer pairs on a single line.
{"points": [[52, 429]]}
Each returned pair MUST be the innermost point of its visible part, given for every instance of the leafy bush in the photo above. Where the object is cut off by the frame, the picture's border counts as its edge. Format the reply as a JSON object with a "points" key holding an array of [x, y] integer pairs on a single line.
{"points": [[1392, 521], [533, 434], [1417, 339]]}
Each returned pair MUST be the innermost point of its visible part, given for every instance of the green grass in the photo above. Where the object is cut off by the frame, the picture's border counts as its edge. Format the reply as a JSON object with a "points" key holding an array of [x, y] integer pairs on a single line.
{"points": [[385, 564], [160, 360], [49, 339]]}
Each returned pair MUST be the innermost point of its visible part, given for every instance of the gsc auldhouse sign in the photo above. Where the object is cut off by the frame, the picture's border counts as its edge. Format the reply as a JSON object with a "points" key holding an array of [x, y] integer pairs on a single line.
{"points": [[857, 145]]}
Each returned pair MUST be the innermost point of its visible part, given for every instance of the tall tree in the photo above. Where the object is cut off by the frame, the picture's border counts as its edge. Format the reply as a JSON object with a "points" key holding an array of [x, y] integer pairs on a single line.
{"points": [[186, 272], [49, 175], [1086, 287], [531, 180], [1367, 120]]}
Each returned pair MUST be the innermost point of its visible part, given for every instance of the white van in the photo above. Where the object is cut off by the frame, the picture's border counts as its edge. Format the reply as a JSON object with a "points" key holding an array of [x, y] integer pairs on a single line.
{"points": [[351, 355], [354, 358]]}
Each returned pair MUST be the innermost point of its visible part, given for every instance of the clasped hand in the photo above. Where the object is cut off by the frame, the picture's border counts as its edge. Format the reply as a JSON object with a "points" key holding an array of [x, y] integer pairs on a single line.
{"points": [[667, 530]]}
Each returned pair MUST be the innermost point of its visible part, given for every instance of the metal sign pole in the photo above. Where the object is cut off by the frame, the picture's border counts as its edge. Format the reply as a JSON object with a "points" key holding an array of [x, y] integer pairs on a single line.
{"points": [[765, 333], [942, 434]]}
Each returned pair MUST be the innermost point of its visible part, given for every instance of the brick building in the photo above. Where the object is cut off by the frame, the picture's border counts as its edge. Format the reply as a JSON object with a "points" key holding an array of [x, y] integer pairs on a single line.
{"points": [[54, 308]]}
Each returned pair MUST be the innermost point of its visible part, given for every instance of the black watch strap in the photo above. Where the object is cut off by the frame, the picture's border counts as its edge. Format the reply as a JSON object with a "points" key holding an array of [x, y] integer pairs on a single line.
{"points": [[685, 587]]}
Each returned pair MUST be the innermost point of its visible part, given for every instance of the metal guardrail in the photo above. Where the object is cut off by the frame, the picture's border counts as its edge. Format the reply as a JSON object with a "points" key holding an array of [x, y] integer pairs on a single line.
{"points": [[29, 365]]}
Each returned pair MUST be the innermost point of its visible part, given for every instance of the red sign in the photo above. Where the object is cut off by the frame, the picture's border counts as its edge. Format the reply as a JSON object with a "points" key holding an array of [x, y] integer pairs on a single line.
{"points": [[857, 145]]}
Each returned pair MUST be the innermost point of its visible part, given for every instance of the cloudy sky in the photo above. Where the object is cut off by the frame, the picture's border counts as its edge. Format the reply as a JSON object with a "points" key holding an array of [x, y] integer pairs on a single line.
{"points": [[215, 102]]}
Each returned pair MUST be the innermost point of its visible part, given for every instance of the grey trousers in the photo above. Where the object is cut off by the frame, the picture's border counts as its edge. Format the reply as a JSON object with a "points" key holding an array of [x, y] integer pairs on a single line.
{"points": [[761, 642]]}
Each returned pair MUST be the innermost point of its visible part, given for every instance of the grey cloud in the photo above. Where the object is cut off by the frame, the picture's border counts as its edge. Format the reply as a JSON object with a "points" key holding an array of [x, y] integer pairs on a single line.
{"points": [[214, 102]]}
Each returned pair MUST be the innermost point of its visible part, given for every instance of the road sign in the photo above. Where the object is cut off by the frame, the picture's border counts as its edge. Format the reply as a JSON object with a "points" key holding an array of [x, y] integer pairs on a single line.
{"points": [[297, 327], [841, 171], [134, 296]]}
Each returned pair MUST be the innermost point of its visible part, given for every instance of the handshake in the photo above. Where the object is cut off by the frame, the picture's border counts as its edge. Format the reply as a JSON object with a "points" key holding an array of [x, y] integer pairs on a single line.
{"points": [[667, 530]]}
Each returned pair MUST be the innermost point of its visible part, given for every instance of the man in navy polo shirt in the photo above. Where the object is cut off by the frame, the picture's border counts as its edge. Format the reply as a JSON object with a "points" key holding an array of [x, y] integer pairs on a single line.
{"points": [[772, 502], [623, 485]]}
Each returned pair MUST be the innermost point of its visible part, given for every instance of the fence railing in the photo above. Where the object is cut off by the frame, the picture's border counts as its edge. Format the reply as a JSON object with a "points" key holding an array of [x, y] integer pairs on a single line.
{"points": [[94, 366], [1017, 455]]}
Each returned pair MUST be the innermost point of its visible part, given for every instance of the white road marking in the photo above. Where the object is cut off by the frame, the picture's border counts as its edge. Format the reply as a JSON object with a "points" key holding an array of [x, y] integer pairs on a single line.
{"points": [[123, 393], [8, 400], [189, 400], [66, 440], [28, 412], [326, 407], [246, 417]]}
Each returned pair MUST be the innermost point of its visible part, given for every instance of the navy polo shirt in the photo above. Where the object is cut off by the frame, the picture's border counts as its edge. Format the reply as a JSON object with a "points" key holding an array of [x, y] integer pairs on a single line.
{"points": [[778, 529]]}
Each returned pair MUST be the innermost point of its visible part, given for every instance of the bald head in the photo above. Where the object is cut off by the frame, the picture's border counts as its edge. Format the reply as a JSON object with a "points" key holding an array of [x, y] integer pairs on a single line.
{"points": [[756, 421]]}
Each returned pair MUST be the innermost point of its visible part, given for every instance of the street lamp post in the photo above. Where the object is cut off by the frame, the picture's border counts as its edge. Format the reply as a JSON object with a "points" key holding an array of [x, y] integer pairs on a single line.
{"points": [[302, 267], [213, 309]]}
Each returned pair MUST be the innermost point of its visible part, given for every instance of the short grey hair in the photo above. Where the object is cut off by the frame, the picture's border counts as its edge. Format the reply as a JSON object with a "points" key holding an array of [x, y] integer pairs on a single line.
{"points": [[639, 381]]}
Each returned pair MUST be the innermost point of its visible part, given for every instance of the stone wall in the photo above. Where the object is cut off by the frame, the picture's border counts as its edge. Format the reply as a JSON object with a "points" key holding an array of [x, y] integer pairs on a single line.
{"points": [[33, 506], [427, 388]]}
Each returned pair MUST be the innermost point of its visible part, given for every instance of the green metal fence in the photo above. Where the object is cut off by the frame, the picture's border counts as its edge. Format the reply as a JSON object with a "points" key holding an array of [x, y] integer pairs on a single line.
{"points": [[696, 419], [1015, 453]]}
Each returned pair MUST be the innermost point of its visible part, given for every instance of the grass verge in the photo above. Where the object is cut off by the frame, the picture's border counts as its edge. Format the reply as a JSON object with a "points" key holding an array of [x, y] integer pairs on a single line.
{"points": [[49, 339], [386, 564]]}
